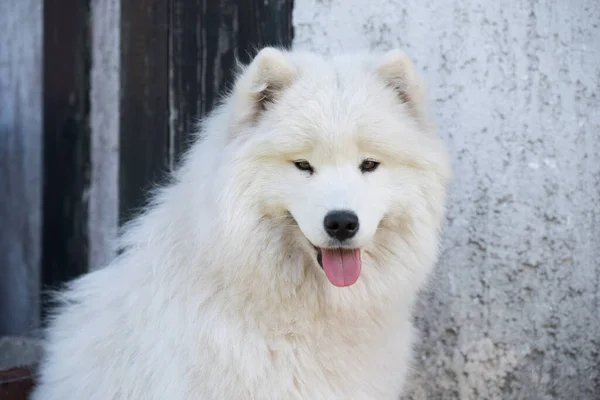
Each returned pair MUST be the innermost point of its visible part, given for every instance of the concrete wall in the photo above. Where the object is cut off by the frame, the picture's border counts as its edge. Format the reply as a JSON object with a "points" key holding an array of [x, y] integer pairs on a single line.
{"points": [[514, 311]]}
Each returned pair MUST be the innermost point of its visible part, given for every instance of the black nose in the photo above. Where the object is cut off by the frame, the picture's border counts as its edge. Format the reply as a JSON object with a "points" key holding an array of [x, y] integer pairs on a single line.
{"points": [[340, 224]]}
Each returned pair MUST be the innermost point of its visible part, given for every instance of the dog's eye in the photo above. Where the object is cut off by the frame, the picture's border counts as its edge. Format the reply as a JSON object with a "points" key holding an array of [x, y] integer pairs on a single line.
{"points": [[368, 165], [304, 165]]}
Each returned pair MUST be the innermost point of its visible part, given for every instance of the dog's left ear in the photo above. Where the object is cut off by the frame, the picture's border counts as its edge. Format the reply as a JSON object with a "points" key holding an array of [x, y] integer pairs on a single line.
{"points": [[399, 73], [262, 82]]}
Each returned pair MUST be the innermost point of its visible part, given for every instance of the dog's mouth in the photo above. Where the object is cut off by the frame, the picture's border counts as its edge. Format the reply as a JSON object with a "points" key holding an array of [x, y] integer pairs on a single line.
{"points": [[342, 266]]}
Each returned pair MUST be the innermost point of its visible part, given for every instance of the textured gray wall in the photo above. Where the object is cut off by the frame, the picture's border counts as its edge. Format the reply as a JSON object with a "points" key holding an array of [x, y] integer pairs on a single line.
{"points": [[514, 311]]}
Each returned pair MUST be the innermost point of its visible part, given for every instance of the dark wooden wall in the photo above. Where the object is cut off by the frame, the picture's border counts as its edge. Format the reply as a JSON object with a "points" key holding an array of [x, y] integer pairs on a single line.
{"points": [[172, 60]]}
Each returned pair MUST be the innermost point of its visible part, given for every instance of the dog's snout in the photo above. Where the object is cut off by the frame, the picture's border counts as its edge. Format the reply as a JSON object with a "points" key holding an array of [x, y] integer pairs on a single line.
{"points": [[341, 224]]}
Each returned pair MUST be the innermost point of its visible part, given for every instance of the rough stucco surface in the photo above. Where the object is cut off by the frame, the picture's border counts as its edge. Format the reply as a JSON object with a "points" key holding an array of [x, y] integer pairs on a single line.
{"points": [[513, 312]]}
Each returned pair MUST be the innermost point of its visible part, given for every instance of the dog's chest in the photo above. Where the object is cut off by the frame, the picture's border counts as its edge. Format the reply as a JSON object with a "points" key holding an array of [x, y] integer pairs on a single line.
{"points": [[334, 365], [322, 357]]}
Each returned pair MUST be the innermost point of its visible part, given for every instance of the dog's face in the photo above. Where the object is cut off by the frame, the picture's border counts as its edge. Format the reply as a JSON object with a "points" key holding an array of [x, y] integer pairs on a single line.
{"points": [[339, 149]]}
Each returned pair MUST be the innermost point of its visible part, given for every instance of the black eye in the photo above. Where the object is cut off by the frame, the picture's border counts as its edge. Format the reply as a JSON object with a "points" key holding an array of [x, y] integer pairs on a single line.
{"points": [[304, 165], [368, 165]]}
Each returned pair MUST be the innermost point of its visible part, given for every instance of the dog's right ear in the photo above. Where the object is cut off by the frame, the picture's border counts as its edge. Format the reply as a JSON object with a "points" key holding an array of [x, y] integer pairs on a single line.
{"points": [[261, 83], [399, 73]]}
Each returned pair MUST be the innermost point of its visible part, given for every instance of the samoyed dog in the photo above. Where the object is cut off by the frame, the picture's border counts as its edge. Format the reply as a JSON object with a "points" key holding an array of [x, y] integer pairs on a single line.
{"points": [[283, 259]]}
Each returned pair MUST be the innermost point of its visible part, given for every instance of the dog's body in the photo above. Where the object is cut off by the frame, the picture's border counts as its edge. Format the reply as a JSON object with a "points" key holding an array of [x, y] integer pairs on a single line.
{"points": [[313, 175]]}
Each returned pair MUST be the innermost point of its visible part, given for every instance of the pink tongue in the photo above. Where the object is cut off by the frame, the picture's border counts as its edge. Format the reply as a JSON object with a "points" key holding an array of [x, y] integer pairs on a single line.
{"points": [[342, 266]]}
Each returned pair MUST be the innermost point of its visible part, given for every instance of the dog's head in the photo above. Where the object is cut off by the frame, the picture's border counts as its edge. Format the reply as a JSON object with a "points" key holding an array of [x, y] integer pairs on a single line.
{"points": [[340, 149]]}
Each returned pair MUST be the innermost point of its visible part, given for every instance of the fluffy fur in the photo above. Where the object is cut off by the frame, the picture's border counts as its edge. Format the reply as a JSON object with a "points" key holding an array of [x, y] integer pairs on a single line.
{"points": [[217, 292]]}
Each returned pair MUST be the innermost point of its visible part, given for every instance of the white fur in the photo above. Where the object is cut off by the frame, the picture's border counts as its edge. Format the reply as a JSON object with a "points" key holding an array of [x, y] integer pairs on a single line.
{"points": [[217, 293]]}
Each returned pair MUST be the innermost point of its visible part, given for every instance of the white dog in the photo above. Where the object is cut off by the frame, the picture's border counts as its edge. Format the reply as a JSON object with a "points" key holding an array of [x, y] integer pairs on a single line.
{"points": [[284, 259]]}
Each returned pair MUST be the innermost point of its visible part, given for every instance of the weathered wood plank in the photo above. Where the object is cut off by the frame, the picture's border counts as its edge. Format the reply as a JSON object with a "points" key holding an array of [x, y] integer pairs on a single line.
{"points": [[144, 118], [264, 23], [20, 164], [202, 46], [185, 64], [66, 140], [206, 36], [104, 122]]}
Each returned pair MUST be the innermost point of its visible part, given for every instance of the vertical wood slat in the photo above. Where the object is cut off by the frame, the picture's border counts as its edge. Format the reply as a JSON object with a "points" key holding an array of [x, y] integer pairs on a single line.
{"points": [[103, 218], [202, 48], [144, 116], [264, 23], [20, 164], [185, 97], [66, 140]]}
